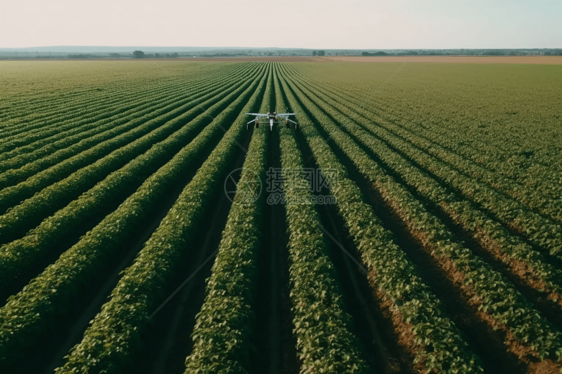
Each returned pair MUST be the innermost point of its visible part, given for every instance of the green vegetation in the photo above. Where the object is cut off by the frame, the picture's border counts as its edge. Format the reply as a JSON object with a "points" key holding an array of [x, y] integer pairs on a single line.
{"points": [[447, 196]]}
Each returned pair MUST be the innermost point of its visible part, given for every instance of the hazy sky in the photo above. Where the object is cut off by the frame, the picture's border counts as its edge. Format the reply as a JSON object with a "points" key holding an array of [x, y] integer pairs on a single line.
{"points": [[283, 23]]}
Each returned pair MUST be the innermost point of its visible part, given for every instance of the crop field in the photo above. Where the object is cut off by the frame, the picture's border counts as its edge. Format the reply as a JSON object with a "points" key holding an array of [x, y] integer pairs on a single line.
{"points": [[412, 224]]}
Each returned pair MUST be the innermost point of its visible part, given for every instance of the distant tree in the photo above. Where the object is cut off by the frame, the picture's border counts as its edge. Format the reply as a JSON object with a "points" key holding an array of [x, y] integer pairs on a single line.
{"points": [[138, 54], [321, 53], [270, 53], [175, 54], [365, 54], [314, 53], [114, 55], [157, 55], [496, 52]]}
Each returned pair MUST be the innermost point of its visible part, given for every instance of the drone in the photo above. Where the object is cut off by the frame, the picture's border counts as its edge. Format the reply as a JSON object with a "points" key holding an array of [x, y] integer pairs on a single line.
{"points": [[274, 119]]}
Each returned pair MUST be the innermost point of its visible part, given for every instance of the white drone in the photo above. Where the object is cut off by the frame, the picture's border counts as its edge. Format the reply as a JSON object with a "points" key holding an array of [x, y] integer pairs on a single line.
{"points": [[273, 118]]}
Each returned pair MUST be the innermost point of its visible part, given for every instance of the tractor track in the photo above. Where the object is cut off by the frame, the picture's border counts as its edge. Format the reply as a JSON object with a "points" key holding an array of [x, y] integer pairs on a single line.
{"points": [[274, 343], [379, 350], [169, 338], [482, 339], [69, 329], [549, 310]]}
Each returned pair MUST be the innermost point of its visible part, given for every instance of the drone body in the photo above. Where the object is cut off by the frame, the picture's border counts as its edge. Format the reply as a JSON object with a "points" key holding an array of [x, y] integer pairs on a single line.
{"points": [[273, 119]]}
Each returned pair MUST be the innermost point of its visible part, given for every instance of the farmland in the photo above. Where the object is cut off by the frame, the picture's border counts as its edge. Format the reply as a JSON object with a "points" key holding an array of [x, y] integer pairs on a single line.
{"points": [[145, 229]]}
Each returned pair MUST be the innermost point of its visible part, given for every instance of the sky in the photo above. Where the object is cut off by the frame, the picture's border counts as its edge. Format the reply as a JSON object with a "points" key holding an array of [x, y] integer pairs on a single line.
{"points": [[328, 24]]}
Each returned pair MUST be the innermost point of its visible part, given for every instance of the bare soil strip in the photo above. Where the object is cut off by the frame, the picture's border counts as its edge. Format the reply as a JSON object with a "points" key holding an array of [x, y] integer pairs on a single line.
{"points": [[487, 338], [69, 329], [169, 339], [275, 346], [483, 340], [541, 60], [379, 347]]}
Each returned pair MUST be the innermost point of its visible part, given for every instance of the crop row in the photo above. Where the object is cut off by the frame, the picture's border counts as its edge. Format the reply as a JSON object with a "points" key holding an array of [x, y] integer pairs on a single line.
{"points": [[525, 262], [452, 147], [86, 113], [61, 147], [487, 288], [325, 341], [446, 149], [141, 288], [47, 112], [436, 342], [75, 124], [539, 230], [30, 313], [127, 146], [224, 325], [21, 254]]}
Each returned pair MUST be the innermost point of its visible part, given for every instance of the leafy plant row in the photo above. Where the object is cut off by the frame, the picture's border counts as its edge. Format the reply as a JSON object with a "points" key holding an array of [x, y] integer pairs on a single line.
{"points": [[47, 100], [491, 235], [535, 165], [446, 148], [325, 342], [30, 314], [499, 144], [437, 342], [57, 195], [488, 289], [527, 264], [541, 231], [78, 123], [525, 197], [22, 254], [60, 147], [113, 337], [44, 104], [37, 116], [224, 325], [74, 121]]}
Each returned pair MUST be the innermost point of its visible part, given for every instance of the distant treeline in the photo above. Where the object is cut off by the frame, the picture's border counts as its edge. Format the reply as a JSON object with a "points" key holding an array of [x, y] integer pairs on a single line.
{"points": [[380, 53], [27, 54], [468, 52]]}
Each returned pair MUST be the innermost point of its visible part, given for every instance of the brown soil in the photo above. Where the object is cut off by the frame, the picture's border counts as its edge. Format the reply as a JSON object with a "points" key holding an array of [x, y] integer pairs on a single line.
{"points": [[524, 352], [544, 367], [544, 60], [403, 331], [518, 268], [274, 344]]}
